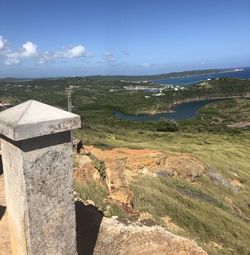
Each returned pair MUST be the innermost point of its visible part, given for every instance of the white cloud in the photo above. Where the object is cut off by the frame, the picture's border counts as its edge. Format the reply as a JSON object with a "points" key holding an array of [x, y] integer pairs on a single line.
{"points": [[3, 46], [75, 52], [28, 50], [145, 65], [44, 57], [3, 43], [68, 53], [108, 56], [12, 61]]}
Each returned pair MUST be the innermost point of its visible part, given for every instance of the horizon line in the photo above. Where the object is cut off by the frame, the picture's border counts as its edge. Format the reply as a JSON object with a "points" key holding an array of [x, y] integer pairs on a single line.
{"points": [[122, 75]]}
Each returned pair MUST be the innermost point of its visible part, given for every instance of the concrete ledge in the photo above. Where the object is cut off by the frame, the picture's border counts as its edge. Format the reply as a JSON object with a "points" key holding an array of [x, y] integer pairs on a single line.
{"points": [[32, 119]]}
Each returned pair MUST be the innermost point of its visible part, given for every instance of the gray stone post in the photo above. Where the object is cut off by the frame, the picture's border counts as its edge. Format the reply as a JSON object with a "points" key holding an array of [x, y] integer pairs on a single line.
{"points": [[36, 153]]}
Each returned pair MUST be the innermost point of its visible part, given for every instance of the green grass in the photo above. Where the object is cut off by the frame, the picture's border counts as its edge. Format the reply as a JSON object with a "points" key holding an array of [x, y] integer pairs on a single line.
{"points": [[92, 191], [208, 210], [115, 210], [202, 208], [201, 219]]}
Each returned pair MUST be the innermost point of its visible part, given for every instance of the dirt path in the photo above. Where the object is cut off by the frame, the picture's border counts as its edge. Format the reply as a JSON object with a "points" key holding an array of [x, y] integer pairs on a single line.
{"points": [[4, 232]]}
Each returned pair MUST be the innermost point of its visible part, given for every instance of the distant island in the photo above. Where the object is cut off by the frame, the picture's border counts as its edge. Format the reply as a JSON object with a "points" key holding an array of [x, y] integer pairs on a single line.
{"points": [[166, 75], [136, 77]]}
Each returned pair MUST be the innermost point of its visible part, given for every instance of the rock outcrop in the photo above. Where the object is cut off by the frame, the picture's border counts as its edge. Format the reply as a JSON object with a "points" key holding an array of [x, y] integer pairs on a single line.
{"points": [[139, 237], [116, 238], [123, 164]]}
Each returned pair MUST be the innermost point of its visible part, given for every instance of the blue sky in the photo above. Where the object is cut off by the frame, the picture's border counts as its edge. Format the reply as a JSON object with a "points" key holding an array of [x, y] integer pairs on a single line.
{"points": [[78, 37]]}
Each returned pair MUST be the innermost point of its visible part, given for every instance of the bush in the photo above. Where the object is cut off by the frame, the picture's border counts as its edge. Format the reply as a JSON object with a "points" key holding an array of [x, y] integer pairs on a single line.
{"points": [[100, 166], [167, 126]]}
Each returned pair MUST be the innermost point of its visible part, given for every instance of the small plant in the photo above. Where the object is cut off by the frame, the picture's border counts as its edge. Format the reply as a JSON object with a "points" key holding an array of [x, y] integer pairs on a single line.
{"points": [[100, 166], [115, 210]]}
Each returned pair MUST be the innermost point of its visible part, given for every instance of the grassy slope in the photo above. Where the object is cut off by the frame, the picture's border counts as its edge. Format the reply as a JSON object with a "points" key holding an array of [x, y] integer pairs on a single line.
{"points": [[213, 212], [207, 210], [202, 219]]}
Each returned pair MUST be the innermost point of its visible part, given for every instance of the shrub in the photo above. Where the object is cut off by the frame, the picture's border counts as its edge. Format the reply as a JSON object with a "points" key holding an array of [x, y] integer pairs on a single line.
{"points": [[167, 126], [100, 166]]}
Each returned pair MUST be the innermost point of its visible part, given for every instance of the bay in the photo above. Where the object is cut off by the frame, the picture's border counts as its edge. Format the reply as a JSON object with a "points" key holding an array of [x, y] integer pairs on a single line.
{"points": [[179, 112], [192, 79]]}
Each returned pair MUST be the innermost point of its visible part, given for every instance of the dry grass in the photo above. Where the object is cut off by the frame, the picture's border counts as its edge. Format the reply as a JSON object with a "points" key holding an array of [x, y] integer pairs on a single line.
{"points": [[209, 210]]}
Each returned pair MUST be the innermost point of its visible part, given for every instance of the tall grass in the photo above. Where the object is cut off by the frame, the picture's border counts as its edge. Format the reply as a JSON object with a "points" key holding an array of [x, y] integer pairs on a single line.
{"points": [[202, 220], [92, 191]]}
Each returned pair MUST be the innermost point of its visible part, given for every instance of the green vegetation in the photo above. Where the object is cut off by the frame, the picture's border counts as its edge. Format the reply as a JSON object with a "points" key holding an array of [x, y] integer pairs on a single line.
{"points": [[92, 191], [100, 166], [211, 209], [167, 126], [203, 217], [218, 116], [115, 210]]}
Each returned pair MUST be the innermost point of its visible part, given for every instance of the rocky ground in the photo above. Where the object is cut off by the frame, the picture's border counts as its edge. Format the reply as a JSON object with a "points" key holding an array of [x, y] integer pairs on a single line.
{"points": [[117, 238], [123, 164], [100, 235], [141, 236]]}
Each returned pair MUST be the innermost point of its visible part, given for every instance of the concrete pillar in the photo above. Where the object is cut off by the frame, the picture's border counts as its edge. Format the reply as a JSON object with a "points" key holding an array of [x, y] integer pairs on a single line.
{"points": [[36, 153]]}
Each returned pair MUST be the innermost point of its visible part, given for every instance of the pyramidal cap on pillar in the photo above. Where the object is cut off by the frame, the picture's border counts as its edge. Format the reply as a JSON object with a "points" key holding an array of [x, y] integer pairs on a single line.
{"points": [[32, 119]]}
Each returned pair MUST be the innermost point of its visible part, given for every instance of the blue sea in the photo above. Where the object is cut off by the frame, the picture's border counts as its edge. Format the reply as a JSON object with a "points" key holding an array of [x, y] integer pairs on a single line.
{"points": [[188, 80], [184, 110]]}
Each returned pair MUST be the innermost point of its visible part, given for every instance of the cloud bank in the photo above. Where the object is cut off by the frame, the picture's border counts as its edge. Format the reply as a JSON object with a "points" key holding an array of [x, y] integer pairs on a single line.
{"points": [[29, 51]]}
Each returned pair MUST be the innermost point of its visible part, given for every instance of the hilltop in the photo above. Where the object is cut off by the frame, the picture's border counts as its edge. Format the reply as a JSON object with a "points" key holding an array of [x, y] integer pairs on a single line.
{"points": [[196, 186], [189, 177]]}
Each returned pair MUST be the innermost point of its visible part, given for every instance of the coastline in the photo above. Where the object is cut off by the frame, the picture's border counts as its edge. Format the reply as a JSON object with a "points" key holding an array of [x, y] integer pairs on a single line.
{"points": [[196, 75], [189, 100]]}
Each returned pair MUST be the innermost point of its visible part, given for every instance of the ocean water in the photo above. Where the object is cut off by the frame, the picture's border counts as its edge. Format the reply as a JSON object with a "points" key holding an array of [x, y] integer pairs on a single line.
{"points": [[188, 80], [185, 110], [180, 112]]}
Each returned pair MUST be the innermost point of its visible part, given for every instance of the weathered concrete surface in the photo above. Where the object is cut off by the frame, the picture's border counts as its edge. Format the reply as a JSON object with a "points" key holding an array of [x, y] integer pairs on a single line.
{"points": [[4, 230], [116, 238], [39, 192], [33, 118], [36, 153], [15, 196]]}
